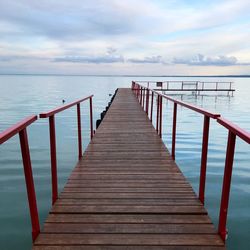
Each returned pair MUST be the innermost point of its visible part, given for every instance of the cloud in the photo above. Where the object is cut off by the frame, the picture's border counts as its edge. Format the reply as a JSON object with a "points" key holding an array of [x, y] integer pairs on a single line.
{"points": [[152, 59], [15, 58], [99, 18], [75, 19], [110, 57], [148, 34], [202, 60], [90, 59]]}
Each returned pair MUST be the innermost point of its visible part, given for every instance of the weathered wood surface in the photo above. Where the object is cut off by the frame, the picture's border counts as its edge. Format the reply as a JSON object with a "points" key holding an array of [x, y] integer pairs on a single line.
{"points": [[127, 193]]}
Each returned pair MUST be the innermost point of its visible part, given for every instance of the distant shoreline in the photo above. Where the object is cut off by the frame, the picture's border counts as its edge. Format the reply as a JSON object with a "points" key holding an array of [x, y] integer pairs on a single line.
{"points": [[221, 76]]}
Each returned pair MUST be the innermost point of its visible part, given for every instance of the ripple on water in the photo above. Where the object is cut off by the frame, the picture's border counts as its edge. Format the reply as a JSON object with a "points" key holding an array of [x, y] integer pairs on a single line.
{"points": [[36, 94]]}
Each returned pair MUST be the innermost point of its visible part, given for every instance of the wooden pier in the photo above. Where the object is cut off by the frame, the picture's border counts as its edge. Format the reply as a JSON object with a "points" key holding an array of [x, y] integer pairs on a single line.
{"points": [[126, 192]]}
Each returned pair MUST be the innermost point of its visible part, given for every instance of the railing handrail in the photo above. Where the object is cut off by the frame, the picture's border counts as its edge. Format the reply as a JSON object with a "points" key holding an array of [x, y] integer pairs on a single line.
{"points": [[242, 133], [234, 128], [20, 128], [187, 105], [191, 106], [61, 108], [52, 131], [233, 132], [15, 129]]}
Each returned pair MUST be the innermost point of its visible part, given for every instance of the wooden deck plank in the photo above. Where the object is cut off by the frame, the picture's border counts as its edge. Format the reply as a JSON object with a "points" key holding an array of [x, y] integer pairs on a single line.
{"points": [[128, 228], [128, 190], [150, 209], [129, 239], [120, 247], [127, 193], [130, 218], [132, 202]]}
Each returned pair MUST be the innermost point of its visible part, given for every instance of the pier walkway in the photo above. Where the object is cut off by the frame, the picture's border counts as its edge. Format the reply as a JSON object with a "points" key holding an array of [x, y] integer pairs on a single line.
{"points": [[126, 192]]}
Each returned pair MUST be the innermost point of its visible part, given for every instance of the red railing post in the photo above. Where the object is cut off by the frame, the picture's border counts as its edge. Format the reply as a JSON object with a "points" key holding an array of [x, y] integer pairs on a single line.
{"points": [[29, 183], [203, 168], [79, 131], [160, 117], [157, 114], [174, 130], [152, 105], [226, 185], [141, 96], [91, 117], [143, 100], [53, 158], [51, 116], [147, 101]]}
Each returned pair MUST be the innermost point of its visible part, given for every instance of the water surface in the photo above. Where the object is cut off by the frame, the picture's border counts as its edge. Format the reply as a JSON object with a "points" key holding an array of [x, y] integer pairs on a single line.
{"points": [[21, 96]]}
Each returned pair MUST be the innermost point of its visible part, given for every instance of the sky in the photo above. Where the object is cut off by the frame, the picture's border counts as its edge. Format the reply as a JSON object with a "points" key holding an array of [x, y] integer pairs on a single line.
{"points": [[134, 37]]}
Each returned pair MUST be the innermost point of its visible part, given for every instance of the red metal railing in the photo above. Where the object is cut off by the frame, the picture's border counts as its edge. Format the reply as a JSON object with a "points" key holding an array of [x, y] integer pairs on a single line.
{"points": [[140, 90], [51, 116], [233, 131], [21, 129]]}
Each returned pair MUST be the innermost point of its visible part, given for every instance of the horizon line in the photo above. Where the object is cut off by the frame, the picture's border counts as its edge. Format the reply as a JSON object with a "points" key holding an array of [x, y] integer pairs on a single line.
{"points": [[119, 75]]}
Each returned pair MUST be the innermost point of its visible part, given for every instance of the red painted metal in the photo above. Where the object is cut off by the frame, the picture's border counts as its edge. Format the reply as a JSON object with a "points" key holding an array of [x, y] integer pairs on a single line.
{"points": [[140, 95], [152, 106], [29, 183], [143, 98], [53, 159], [226, 185], [234, 131], [243, 134], [20, 128], [10, 132], [192, 107], [160, 117], [51, 116], [91, 117], [147, 101], [174, 130], [157, 114], [79, 131], [203, 167], [59, 109]]}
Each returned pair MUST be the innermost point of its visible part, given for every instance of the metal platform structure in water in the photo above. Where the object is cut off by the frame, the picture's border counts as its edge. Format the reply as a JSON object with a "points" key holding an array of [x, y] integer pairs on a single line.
{"points": [[191, 87]]}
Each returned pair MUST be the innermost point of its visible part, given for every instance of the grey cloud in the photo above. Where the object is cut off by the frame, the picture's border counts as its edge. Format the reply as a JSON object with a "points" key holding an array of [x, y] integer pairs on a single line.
{"points": [[201, 60], [10, 58], [68, 20], [152, 59], [91, 59], [111, 56], [5, 58]]}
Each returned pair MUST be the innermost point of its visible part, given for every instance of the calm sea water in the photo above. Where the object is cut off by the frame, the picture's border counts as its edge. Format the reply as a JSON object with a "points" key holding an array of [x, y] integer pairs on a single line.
{"points": [[21, 96]]}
